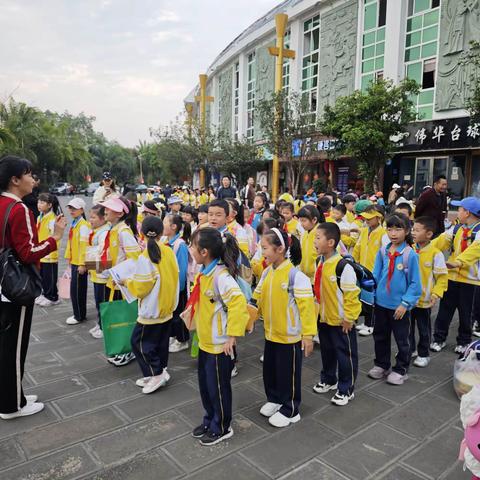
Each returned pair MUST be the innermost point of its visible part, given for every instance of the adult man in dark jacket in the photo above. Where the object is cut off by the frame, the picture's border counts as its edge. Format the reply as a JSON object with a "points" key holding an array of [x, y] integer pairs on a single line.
{"points": [[248, 193], [226, 190], [433, 203]]}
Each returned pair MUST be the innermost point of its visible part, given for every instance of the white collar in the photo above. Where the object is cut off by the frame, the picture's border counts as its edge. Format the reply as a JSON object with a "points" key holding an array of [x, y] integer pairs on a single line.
{"points": [[12, 196]]}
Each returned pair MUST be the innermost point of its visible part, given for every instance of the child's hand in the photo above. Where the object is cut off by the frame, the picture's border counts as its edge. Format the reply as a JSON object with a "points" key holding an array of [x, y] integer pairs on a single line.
{"points": [[400, 312], [451, 265], [307, 346], [228, 346], [433, 300], [346, 326], [82, 269]]}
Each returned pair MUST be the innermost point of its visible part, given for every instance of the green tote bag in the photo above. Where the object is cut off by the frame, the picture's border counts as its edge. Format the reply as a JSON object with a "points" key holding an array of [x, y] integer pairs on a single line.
{"points": [[118, 320]]}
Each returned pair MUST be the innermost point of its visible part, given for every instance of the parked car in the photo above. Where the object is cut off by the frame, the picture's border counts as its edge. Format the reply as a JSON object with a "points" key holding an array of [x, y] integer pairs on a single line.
{"points": [[90, 189], [61, 188]]}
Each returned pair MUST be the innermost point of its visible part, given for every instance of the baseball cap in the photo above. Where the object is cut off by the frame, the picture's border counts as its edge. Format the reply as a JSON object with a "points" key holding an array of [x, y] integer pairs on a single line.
{"points": [[361, 205], [395, 186], [370, 215], [107, 176], [116, 205], [174, 199], [472, 204], [76, 203]]}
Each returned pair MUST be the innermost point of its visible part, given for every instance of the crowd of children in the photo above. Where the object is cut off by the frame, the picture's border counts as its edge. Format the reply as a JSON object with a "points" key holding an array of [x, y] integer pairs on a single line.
{"points": [[299, 267]]}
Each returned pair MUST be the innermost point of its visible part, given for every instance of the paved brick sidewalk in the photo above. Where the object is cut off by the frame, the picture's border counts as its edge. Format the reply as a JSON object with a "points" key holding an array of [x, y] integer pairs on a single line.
{"points": [[97, 424]]}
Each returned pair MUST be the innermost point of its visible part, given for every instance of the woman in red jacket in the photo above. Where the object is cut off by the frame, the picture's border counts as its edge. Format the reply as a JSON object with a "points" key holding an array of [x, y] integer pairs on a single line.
{"points": [[16, 181]]}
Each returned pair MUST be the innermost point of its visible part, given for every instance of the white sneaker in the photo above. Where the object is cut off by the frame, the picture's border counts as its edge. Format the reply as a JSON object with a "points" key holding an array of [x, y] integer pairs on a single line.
{"points": [[316, 339], [31, 398], [72, 321], [396, 378], [141, 382], [341, 400], [324, 387], [460, 349], [39, 300], [270, 408], [279, 420], [377, 373], [261, 358], [414, 354], [234, 371], [366, 331], [97, 333], [156, 382], [171, 340], [359, 326], [48, 303], [437, 347], [122, 360], [94, 329], [28, 409], [421, 361], [177, 346]]}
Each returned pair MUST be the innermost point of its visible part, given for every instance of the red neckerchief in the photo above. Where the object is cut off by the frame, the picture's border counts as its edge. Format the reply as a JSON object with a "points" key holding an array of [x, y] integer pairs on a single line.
{"points": [[70, 237], [391, 267], [195, 295], [106, 246], [251, 217], [318, 282], [264, 264], [90, 237], [465, 236]]}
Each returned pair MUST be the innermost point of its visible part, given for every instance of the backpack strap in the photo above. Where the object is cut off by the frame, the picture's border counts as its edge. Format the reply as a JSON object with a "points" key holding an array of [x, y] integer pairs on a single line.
{"points": [[5, 223], [343, 262]]}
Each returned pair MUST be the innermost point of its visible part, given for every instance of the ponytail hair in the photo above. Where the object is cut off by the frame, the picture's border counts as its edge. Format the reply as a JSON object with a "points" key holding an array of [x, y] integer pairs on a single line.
{"points": [[223, 247], [152, 228], [130, 218], [269, 223], [52, 200], [310, 212], [182, 227], [280, 238], [239, 209]]}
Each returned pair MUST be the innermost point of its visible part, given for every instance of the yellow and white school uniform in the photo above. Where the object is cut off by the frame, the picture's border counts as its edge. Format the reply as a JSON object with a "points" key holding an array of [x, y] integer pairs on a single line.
{"points": [[309, 254], [49, 263], [240, 234], [368, 245], [294, 227]]}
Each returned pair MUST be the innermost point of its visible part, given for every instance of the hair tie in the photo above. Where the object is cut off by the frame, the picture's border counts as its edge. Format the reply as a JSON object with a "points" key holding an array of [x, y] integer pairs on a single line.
{"points": [[151, 234], [280, 236]]}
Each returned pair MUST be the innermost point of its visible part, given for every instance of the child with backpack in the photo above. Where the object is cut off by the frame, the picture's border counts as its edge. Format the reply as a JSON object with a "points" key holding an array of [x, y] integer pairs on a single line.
{"points": [[285, 302], [49, 209], [434, 276], [399, 287], [292, 224], [178, 235], [155, 284], [463, 242], [220, 313], [338, 297], [372, 237]]}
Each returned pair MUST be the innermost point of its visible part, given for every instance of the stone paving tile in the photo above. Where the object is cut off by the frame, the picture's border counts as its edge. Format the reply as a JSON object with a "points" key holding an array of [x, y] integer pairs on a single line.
{"points": [[58, 435], [10, 454], [136, 438], [63, 465], [58, 389], [110, 374], [42, 360], [153, 466], [314, 470], [188, 452], [100, 397], [457, 473], [418, 419], [401, 473], [368, 451], [436, 455], [278, 453], [237, 467], [52, 344], [79, 351]]}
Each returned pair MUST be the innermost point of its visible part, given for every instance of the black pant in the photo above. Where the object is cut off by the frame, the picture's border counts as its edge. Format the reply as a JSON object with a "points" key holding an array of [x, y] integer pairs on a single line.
{"points": [[459, 296], [421, 318], [150, 346], [368, 313], [102, 294], [49, 274], [476, 307], [214, 380], [15, 324], [338, 349], [78, 293], [385, 325], [282, 375], [179, 330]]}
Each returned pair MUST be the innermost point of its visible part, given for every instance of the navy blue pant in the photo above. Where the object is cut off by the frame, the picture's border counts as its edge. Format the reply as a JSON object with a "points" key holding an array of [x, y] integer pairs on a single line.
{"points": [[420, 318], [340, 350], [150, 346], [179, 330], [282, 375], [78, 293], [459, 296], [102, 294], [384, 326], [49, 274], [476, 307], [368, 313], [214, 380]]}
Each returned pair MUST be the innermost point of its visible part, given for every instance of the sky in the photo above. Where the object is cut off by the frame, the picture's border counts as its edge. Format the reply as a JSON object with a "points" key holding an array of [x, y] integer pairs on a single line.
{"points": [[129, 63]]}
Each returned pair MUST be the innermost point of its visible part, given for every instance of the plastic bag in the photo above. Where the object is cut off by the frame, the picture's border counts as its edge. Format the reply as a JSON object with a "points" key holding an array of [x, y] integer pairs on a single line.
{"points": [[64, 285], [466, 370]]}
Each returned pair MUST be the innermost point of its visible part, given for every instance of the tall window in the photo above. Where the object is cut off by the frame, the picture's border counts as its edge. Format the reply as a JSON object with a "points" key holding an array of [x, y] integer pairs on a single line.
{"points": [[236, 96], [251, 84], [421, 46], [286, 65], [311, 42], [373, 46]]}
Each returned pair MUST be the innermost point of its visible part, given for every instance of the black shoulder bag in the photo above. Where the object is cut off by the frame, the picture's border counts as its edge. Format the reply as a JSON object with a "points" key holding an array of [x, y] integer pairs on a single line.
{"points": [[19, 283]]}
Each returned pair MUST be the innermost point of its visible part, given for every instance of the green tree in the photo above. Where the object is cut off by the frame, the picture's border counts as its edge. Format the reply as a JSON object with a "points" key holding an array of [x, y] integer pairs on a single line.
{"points": [[365, 124], [285, 119]]}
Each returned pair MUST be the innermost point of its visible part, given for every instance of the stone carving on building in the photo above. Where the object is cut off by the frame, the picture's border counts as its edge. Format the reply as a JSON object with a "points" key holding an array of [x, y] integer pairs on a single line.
{"points": [[265, 80], [338, 40], [225, 100], [459, 24]]}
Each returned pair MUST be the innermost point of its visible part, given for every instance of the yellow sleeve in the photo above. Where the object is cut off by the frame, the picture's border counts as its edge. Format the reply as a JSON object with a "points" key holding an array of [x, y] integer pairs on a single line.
{"points": [[84, 231], [443, 242], [440, 274], [348, 241], [471, 255], [303, 294], [357, 249], [143, 280], [352, 306], [237, 315], [243, 245]]}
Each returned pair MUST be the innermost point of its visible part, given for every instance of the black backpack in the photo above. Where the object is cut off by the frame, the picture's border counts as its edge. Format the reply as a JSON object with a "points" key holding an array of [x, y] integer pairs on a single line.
{"points": [[19, 283]]}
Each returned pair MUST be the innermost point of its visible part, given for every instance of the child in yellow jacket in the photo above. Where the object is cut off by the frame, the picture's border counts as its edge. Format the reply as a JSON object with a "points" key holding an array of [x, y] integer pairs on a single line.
{"points": [[285, 301], [155, 284], [75, 254], [219, 310], [339, 307], [310, 218], [48, 208], [434, 276], [463, 243]]}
